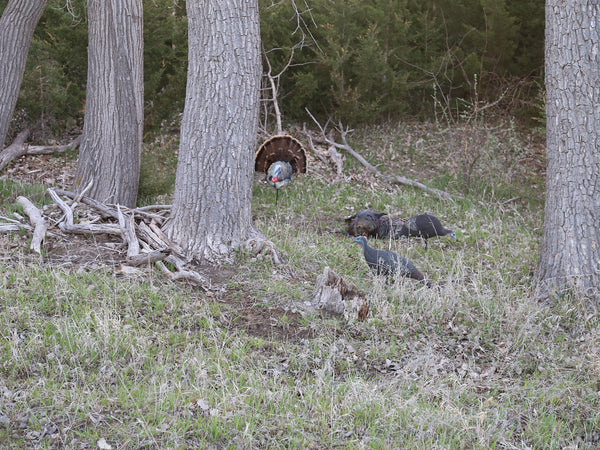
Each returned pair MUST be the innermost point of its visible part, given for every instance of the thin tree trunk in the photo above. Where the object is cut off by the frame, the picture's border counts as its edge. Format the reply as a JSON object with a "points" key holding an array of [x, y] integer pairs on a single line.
{"points": [[211, 213], [17, 25], [111, 144], [570, 251]]}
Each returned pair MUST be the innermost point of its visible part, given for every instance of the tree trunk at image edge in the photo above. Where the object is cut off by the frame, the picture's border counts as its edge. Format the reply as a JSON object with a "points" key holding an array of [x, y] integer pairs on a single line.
{"points": [[570, 252], [111, 145], [17, 25], [211, 214]]}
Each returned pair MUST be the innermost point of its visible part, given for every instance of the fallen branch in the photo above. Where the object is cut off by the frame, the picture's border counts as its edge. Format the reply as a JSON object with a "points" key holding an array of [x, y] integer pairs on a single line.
{"points": [[391, 179], [127, 225], [148, 258], [14, 150], [68, 226], [19, 148], [37, 220]]}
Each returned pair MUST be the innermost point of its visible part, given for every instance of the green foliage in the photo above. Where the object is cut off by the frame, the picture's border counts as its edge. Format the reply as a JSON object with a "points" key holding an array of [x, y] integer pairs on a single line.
{"points": [[359, 61], [379, 58]]}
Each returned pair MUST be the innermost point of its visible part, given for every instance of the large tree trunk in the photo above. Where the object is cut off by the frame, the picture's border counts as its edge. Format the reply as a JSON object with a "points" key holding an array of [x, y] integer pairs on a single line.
{"points": [[570, 251], [111, 144], [17, 25], [211, 213]]}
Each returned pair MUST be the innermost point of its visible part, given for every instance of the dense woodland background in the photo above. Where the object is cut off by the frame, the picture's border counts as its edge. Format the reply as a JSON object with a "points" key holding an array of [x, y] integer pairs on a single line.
{"points": [[357, 61]]}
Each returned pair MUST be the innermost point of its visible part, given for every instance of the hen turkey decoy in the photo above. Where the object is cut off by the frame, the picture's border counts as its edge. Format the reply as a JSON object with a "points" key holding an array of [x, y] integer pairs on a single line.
{"points": [[280, 157], [368, 222], [424, 226], [388, 263]]}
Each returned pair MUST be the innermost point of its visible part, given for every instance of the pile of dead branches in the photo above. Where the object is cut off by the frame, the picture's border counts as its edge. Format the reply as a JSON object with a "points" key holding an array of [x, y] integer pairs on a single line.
{"points": [[143, 241]]}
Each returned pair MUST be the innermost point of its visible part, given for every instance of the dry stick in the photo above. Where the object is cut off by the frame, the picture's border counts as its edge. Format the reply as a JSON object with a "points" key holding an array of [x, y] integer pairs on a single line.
{"points": [[68, 226], [107, 211], [127, 225], [397, 179], [148, 258], [50, 149], [14, 227], [37, 220]]}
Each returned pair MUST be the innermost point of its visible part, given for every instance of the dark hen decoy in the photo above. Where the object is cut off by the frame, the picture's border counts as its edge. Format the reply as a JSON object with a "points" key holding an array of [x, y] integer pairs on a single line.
{"points": [[388, 263], [368, 222], [424, 226], [280, 157]]}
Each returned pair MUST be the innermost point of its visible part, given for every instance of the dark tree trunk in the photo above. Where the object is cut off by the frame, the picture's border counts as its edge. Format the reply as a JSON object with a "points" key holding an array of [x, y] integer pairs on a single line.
{"points": [[570, 252], [111, 145], [17, 25], [211, 214]]}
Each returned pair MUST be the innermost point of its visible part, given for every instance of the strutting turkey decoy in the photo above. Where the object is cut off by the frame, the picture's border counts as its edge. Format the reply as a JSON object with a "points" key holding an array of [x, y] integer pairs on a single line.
{"points": [[280, 157], [368, 222], [424, 226], [388, 263]]}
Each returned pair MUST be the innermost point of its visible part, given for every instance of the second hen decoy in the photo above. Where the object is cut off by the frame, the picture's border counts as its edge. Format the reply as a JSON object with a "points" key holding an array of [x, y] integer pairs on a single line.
{"points": [[424, 226], [389, 264], [280, 157], [368, 222]]}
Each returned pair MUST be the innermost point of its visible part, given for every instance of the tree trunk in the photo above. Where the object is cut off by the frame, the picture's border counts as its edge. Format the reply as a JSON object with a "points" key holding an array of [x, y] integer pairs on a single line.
{"points": [[17, 25], [211, 213], [570, 251], [111, 144]]}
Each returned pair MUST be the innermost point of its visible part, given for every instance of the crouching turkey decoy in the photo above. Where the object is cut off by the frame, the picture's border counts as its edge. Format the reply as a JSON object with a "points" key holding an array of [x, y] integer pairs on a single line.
{"points": [[388, 263], [280, 157], [368, 222], [424, 226]]}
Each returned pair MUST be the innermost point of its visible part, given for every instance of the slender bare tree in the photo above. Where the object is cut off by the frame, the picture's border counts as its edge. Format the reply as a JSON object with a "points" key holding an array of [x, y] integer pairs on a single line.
{"points": [[111, 145], [211, 214], [17, 25], [570, 252]]}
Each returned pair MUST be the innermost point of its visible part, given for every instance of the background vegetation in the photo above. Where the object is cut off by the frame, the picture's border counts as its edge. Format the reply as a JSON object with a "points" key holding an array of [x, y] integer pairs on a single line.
{"points": [[359, 61]]}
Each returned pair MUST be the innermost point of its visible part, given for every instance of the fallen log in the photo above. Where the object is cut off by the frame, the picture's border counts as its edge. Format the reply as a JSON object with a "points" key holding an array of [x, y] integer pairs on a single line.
{"points": [[19, 148], [37, 220]]}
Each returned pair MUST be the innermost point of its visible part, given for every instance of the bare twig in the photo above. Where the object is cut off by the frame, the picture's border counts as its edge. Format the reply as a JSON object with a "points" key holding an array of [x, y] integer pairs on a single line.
{"points": [[398, 179]]}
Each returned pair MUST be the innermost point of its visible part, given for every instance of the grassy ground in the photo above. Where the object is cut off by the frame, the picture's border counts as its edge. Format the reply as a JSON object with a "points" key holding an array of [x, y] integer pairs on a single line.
{"points": [[90, 359]]}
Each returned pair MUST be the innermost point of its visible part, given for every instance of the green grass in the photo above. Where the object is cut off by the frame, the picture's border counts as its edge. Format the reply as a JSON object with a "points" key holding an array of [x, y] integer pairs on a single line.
{"points": [[474, 363]]}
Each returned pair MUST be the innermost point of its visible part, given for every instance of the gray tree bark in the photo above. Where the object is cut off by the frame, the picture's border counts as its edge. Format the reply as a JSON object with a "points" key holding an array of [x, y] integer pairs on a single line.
{"points": [[17, 25], [570, 251], [211, 214], [111, 144]]}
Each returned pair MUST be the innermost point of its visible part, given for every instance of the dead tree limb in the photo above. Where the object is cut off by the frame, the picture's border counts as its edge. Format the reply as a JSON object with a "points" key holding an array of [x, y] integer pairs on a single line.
{"points": [[68, 226], [37, 220], [50, 149], [14, 150], [127, 225], [398, 179], [148, 258], [19, 148]]}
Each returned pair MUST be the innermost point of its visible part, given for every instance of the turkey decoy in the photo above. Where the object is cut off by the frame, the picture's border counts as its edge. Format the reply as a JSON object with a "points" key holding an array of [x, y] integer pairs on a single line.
{"points": [[280, 157], [424, 226], [368, 222], [388, 263]]}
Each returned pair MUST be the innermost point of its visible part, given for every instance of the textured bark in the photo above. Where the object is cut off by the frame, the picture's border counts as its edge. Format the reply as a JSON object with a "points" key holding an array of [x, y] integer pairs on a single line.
{"points": [[211, 213], [17, 25], [570, 252], [112, 134]]}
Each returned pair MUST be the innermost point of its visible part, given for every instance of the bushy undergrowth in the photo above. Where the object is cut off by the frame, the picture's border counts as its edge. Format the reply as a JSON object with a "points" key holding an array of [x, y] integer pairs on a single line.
{"points": [[89, 358]]}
